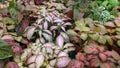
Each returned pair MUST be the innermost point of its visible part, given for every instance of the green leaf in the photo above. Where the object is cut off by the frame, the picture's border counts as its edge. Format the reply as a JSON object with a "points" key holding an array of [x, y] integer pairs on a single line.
{"points": [[94, 36], [109, 40], [84, 36], [102, 40], [14, 13], [71, 32], [5, 50], [118, 43], [81, 25], [19, 38], [76, 12], [8, 21]]}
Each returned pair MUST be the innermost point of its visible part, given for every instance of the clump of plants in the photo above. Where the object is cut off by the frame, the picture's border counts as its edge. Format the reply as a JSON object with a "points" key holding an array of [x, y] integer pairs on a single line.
{"points": [[94, 55], [87, 29], [48, 55], [59, 34], [97, 9], [50, 22]]}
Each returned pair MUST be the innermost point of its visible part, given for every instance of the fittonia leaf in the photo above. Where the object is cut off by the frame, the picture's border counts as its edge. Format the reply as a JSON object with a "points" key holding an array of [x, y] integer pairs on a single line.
{"points": [[5, 50]]}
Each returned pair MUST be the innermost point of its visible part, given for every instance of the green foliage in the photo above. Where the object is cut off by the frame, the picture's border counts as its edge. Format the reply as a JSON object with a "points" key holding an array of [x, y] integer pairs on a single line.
{"points": [[13, 10], [101, 14], [8, 21], [5, 50], [80, 6], [97, 9]]}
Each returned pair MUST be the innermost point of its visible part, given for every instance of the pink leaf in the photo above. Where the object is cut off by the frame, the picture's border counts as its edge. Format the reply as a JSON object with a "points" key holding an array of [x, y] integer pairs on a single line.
{"points": [[11, 65], [7, 37], [60, 41], [62, 62], [102, 56], [80, 56]]}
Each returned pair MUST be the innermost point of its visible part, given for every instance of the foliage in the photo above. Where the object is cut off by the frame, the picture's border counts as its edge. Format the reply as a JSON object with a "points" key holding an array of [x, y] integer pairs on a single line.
{"points": [[5, 50], [97, 10], [87, 29], [49, 23], [50, 54], [101, 14], [95, 55], [60, 34]]}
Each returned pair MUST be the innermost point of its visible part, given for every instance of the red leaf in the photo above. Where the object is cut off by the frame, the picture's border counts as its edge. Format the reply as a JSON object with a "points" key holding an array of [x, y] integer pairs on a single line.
{"points": [[24, 25], [20, 16], [70, 14], [38, 2]]}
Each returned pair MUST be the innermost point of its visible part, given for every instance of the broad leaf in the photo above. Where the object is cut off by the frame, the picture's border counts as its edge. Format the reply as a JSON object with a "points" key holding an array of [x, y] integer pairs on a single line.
{"points": [[71, 33], [109, 40], [84, 36], [81, 25], [102, 40], [94, 36]]}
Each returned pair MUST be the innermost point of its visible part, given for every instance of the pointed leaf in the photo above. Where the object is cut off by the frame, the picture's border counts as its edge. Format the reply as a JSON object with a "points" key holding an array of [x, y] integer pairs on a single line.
{"points": [[60, 41], [47, 37], [30, 32]]}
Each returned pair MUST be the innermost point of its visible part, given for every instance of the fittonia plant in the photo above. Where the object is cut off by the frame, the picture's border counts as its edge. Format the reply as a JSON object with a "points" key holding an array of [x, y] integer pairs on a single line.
{"points": [[48, 55], [50, 22], [96, 56]]}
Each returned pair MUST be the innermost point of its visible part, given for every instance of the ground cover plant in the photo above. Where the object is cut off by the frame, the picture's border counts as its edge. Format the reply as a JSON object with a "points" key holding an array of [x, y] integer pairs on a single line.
{"points": [[59, 34]]}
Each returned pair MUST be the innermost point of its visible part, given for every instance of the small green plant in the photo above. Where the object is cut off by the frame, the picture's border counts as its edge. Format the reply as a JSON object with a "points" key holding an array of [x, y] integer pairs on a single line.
{"points": [[101, 14]]}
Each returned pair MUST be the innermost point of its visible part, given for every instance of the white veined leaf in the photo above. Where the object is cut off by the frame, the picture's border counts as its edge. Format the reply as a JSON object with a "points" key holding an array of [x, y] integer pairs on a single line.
{"points": [[60, 41], [45, 25], [31, 59], [48, 18], [47, 37], [53, 62], [61, 54], [49, 50], [39, 21], [30, 32], [53, 27], [48, 45], [62, 62], [42, 40], [39, 61], [67, 45], [40, 26], [69, 49], [63, 28], [58, 20], [40, 33], [66, 37], [48, 32], [68, 23]]}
